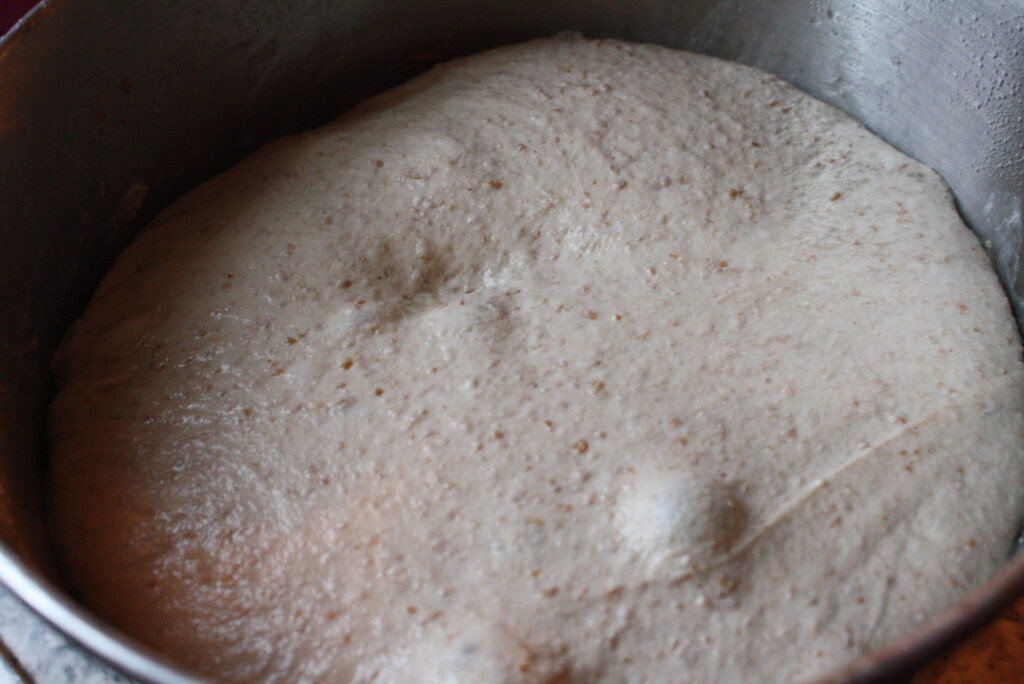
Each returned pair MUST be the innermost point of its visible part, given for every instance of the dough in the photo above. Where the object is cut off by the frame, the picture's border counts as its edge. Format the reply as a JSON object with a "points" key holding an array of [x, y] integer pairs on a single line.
{"points": [[572, 361]]}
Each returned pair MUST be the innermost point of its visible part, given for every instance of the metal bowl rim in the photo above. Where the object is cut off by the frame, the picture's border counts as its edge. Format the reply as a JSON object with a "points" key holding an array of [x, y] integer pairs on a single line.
{"points": [[134, 659]]}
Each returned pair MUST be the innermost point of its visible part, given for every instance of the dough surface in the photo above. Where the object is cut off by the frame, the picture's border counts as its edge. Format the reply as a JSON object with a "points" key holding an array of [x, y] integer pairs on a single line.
{"points": [[572, 361]]}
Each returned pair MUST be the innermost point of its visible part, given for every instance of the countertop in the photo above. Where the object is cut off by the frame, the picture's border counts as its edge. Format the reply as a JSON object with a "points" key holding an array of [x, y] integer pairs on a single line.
{"points": [[30, 651]]}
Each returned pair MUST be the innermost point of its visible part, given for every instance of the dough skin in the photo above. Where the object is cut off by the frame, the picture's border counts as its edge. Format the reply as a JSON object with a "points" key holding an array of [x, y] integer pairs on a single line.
{"points": [[572, 361]]}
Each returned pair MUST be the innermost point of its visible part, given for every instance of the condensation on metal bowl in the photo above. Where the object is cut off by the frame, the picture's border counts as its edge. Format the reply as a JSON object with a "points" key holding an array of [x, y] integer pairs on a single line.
{"points": [[110, 109]]}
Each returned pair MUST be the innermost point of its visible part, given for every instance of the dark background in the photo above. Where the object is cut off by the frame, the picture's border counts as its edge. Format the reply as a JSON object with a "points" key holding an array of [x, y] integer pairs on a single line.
{"points": [[11, 11]]}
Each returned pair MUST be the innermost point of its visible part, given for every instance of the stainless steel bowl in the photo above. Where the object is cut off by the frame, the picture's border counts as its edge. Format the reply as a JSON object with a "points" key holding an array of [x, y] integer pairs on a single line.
{"points": [[110, 109]]}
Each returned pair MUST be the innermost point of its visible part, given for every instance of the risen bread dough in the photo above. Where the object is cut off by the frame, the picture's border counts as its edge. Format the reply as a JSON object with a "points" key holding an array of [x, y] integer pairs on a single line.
{"points": [[574, 361]]}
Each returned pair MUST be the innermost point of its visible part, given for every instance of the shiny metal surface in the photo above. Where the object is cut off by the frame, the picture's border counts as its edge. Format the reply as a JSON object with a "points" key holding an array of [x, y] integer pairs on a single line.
{"points": [[108, 109]]}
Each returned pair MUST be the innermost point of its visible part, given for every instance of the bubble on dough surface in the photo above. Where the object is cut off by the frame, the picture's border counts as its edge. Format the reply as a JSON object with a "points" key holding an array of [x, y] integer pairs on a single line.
{"points": [[668, 515]]}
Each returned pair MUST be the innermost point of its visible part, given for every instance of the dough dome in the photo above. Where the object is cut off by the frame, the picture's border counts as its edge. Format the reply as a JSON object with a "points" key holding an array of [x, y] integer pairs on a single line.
{"points": [[572, 361]]}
